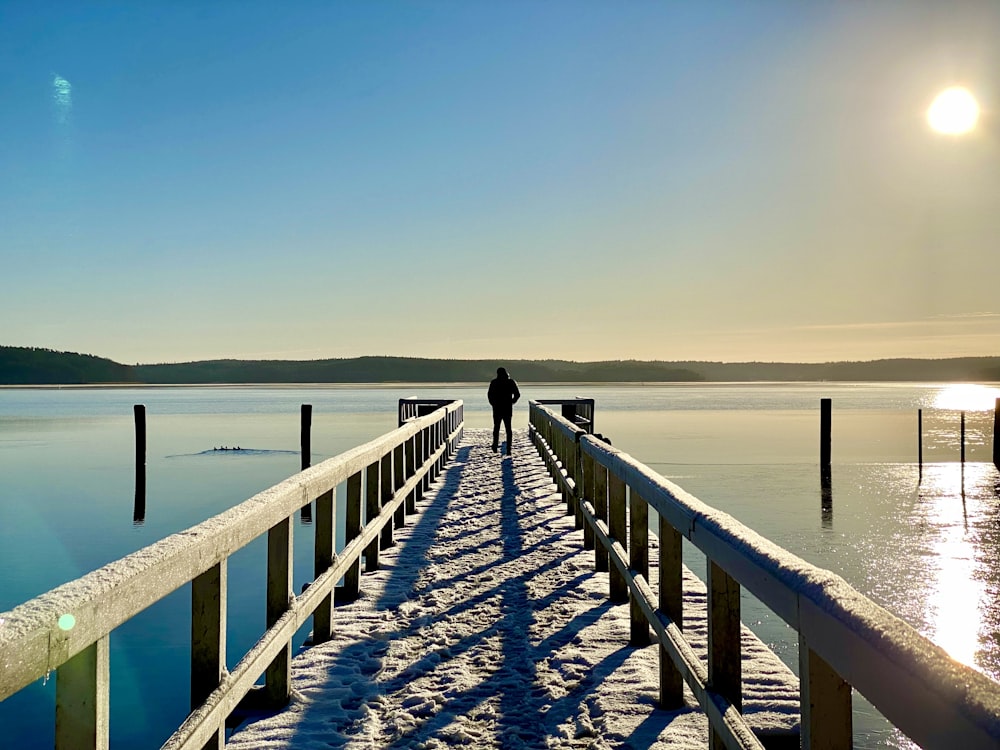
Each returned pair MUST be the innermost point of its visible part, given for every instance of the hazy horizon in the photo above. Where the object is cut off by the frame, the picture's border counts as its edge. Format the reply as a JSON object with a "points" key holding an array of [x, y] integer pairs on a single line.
{"points": [[711, 181]]}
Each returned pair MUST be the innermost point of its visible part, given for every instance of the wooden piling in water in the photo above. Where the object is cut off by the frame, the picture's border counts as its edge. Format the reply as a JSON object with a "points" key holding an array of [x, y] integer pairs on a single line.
{"points": [[920, 443], [825, 421], [140, 434], [306, 436], [305, 442], [996, 432], [139, 506], [962, 440]]}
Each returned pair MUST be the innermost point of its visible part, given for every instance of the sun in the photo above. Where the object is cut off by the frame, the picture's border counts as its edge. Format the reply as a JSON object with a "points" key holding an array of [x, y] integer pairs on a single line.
{"points": [[953, 112]]}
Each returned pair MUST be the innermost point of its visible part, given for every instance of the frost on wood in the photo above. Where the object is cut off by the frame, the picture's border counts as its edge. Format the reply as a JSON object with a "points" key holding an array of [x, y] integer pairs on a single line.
{"points": [[487, 625]]}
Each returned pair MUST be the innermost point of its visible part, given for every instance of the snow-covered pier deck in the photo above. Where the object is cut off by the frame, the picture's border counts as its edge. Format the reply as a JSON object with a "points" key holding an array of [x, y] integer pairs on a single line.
{"points": [[486, 625]]}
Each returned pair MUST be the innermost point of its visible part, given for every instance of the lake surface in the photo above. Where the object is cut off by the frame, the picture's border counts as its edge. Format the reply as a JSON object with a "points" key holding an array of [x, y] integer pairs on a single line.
{"points": [[922, 544]]}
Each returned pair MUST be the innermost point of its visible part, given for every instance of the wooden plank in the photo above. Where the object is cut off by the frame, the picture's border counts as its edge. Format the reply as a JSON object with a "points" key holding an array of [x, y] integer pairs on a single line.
{"points": [[724, 661], [352, 527], [827, 717], [82, 699], [638, 547], [372, 507], [587, 495], [208, 632], [411, 469], [278, 676], [599, 500], [671, 602], [399, 478], [386, 490], [323, 555], [619, 532]]}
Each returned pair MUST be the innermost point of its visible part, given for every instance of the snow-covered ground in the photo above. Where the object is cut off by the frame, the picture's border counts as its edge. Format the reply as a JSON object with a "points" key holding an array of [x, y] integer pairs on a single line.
{"points": [[487, 626]]}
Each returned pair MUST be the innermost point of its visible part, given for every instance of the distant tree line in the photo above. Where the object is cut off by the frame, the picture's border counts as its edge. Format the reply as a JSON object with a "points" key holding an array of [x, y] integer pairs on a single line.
{"points": [[34, 366]]}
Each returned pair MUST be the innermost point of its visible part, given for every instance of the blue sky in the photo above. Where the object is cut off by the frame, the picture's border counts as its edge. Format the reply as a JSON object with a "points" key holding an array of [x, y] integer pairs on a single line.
{"points": [[583, 180]]}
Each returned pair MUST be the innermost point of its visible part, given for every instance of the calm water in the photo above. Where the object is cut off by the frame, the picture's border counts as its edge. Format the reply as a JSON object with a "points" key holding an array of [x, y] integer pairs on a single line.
{"points": [[924, 549]]}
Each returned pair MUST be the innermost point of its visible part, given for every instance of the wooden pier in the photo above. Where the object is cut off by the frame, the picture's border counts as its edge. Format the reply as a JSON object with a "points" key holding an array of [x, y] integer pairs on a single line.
{"points": [[706, 672]]}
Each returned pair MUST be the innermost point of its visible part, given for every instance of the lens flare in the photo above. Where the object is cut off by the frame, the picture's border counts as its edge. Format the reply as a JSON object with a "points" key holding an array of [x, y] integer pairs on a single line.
{"points": [[62, 97], [953, 112]]}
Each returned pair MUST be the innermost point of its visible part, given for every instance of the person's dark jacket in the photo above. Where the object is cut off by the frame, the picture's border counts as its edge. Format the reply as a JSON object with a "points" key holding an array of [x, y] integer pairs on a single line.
{"points": [[503, 393]]}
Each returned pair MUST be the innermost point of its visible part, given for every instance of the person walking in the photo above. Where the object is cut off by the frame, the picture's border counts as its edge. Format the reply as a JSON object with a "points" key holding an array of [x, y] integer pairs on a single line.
{"points": [[503, 394]]}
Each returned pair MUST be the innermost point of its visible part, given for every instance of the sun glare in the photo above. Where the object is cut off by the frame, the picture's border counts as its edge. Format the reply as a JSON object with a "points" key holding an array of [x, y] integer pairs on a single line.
{"points": [[953, 112], [967, 397]]}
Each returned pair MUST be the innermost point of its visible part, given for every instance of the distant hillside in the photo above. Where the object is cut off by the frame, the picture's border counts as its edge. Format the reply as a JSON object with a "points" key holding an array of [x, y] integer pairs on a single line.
{"points": [[408, 370], [21, 366], [30, 366]]}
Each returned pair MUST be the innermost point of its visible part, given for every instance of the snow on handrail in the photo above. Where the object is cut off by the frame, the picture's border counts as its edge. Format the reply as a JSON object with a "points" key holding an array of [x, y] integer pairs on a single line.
{"points": [[846, 639], [67, 628]]}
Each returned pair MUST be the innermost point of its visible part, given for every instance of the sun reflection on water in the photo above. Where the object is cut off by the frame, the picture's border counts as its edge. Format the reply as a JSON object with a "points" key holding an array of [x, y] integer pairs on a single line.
{"points": [[966, 397], [955, 501]]}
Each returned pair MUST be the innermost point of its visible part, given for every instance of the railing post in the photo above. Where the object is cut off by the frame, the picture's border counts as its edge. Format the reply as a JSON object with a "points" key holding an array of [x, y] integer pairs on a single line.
{"points": [[587, 493], [619, 532], [399, 479], [372, 509], [208, 640], [600, 503], [82, 699], [278, 677], [825, 710], [422, 444], [724, 665], [305, 445], [352, 528], [638, 560], [567, 465], [579, 482], [323, 552], [672, 605], [996, 433], [386, 491], [411, 469]]}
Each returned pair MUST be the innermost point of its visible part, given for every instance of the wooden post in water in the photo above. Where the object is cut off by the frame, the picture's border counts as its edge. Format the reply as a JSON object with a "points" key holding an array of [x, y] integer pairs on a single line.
{"points": [[305, 442], [996, 433], [920, 445], [140, 434], [306, 436], [825, 420], [962, 440], [139, 506]]}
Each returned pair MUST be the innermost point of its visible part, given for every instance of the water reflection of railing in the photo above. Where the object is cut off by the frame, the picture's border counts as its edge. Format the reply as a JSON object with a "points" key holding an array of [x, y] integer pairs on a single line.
{"points": [[68, 629], [845, 639]]}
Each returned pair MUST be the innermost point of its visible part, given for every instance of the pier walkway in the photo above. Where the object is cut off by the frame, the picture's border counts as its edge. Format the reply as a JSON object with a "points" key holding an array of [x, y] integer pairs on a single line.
{"points": [[486, 626]]}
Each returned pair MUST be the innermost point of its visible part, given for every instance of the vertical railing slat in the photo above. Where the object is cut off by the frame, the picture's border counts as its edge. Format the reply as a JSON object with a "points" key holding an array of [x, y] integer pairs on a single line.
{"points": [[599, 499], [323, 554], [587, 494], [208, 639], [638, 552], [672, 605], [724, 665], [83, 699], [619, 533], [372, 509], [399, 479], [352, 528], [278, 677], [826, 718], [411, 470], [385, 492]]}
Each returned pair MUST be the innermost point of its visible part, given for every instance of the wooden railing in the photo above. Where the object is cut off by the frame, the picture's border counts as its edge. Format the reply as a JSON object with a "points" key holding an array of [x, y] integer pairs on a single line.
{"points": [[68, 629], [845, 639]]}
